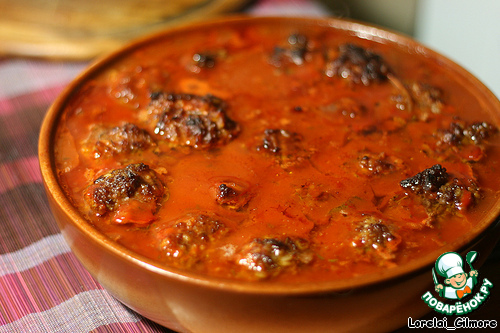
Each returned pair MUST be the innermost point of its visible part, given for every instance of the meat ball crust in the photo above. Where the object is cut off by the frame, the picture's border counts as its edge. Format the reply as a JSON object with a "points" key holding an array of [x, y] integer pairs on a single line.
{"points": [[129, 195], [373, 234], [429, 180], [266, 257], [294, 52], [192, 120], [185, 242], [441, 193], [232, 194], [121, 139], [287, 147], [357, 65], [460, 133]]}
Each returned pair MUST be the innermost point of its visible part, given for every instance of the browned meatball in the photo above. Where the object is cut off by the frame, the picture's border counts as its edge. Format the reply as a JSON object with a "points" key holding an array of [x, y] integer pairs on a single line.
{"points": [[191, 120], [184, 243], [373, 234], [381, 163], [419, 98], [461, 133], [204, 60], [463, 140], [129, 195], [427, 97], [440, 193], [293, 53], [357, 64], [429, 180], [266, 257], [232, 194], [285, 146], [122, 139]]}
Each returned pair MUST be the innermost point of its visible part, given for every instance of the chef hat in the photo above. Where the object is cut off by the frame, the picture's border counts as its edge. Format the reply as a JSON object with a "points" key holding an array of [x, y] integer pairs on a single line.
{"points": [[449, 264]]}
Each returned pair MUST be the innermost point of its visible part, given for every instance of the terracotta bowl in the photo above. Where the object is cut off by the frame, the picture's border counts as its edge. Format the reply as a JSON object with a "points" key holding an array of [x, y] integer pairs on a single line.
{"points": [[188, 302]]}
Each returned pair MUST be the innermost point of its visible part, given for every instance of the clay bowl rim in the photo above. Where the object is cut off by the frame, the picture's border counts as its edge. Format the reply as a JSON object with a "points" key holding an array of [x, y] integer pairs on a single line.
{"points": [[47, 164]]}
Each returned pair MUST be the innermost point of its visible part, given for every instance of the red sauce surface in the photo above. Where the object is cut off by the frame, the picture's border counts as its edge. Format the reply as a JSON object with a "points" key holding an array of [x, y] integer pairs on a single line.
{"points": [[314, 175]]}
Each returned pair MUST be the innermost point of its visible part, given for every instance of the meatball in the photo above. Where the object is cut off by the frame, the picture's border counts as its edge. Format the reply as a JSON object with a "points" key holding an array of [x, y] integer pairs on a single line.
{"points": [[267, 257], [465, 141], [418, 98], [440, 193], [373, 234], [458, 194], [293, 53], [357, 65], [427, 97], [479, 131], [460, 133], [374, 164], [286, 146], [204, 60], [429, 180], [192, 120], [185, 243], [129, 195], [232, 194], [122, 139]]}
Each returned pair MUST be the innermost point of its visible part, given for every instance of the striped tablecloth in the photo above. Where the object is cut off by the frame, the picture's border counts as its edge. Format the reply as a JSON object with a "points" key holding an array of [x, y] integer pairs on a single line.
{"points": [[43, 288]]}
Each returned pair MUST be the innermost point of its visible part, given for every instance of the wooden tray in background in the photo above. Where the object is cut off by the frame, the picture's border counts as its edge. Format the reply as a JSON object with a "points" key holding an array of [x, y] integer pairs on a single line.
{"points": [[83, 29]]}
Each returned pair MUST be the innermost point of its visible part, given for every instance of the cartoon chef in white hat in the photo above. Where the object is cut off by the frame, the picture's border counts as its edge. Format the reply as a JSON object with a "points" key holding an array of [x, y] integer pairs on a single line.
{"points": [[450, 266]]}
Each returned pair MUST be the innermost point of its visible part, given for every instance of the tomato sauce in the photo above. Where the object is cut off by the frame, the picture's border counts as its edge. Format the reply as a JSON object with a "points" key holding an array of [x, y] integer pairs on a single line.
{"points": [[278, 153]]}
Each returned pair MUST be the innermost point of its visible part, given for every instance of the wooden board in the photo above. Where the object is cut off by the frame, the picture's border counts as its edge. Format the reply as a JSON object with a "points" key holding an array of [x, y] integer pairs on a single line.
{"points": [[83, 29]]}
